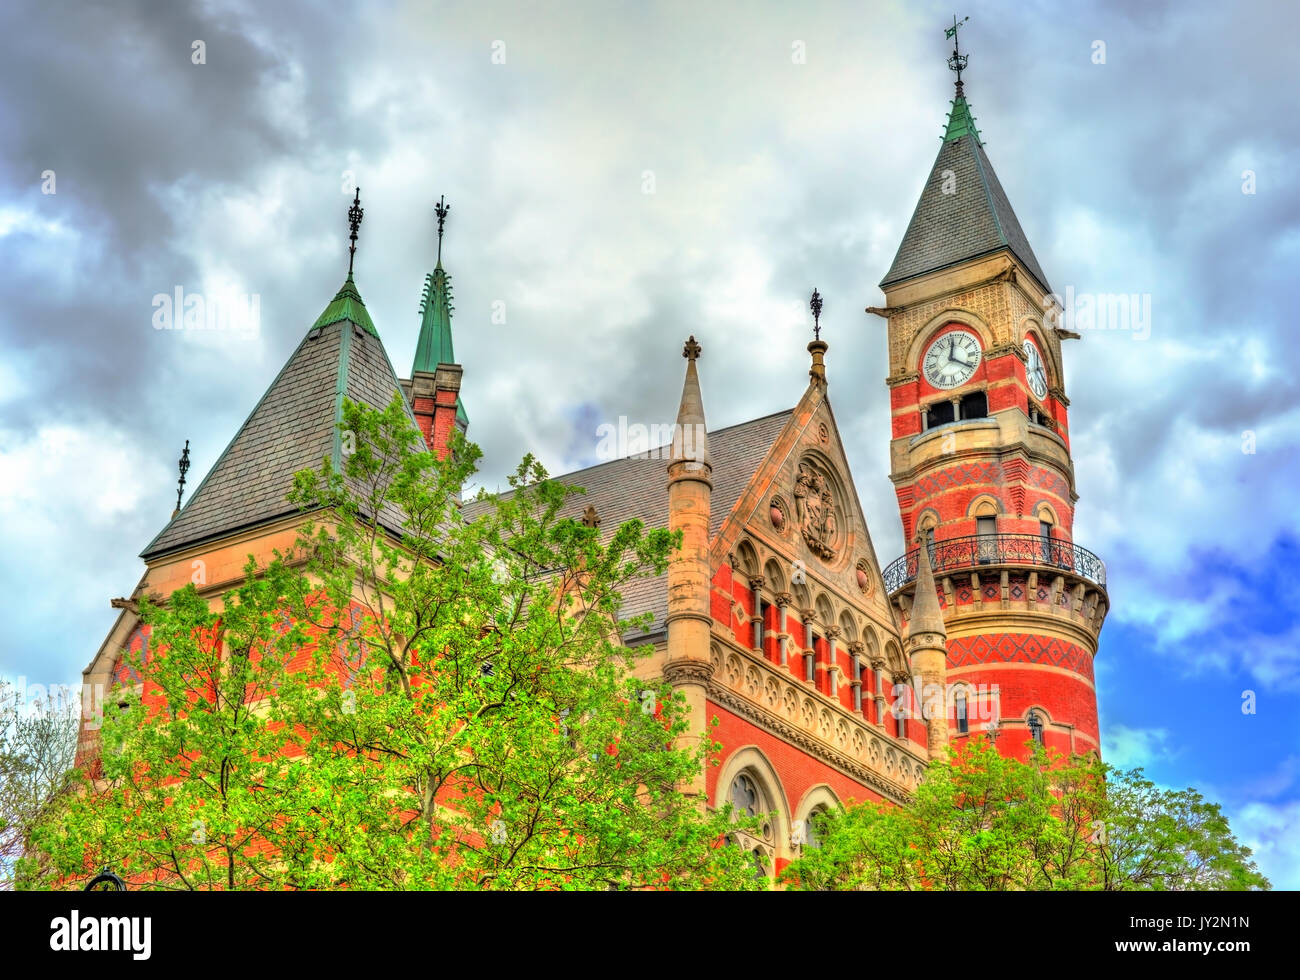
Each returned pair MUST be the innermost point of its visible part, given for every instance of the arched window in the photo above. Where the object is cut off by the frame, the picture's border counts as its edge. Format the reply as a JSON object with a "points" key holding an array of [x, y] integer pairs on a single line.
{"points": [[963, 723], [812, 830], [745, 796], [749, 800], [1035, 722]]}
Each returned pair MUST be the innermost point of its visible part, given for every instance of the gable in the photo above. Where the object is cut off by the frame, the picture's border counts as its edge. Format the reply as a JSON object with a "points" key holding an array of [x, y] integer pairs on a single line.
{"points": [[805, 478]]}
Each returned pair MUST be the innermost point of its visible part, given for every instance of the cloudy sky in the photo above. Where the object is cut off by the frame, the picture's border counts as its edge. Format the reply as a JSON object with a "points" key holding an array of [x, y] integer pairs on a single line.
{"points": [[621, 175]]}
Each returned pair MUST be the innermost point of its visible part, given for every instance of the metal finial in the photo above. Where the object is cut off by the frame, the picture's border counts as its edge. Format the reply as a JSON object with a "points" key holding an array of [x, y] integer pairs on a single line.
{"points": [[355, 214], [815, 304], [441, 209], [184, 466], [692, 350], [958, 60]]}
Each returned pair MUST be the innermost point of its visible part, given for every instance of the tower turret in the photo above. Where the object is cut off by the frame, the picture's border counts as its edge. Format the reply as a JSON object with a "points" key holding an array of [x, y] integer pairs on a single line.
{"points": [[980, 459], [435, 375], [690, 487]]}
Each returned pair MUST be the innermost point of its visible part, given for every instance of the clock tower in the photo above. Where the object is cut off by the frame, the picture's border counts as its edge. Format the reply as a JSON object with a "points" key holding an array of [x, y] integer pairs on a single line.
{"points": [[980, 460]]}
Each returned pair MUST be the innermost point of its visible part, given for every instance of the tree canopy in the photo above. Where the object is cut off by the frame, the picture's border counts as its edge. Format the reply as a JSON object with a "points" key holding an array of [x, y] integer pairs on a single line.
{"points": [[982, 821], [411, 702]]}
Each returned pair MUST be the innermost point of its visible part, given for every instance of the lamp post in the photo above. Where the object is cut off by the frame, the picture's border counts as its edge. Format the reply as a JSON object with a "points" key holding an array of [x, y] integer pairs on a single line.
{"points": [[108, 880]]}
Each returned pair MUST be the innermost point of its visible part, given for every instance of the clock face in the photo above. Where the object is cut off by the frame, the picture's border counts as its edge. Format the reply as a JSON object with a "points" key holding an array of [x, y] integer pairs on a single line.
{"points": [[1035, 373], [952, 359]]}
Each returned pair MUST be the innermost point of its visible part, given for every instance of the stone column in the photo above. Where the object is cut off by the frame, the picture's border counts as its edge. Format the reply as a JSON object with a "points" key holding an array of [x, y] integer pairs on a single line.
{"points": [[878, 668], [856, 649], [809, 650], [832, 663], [756, 624], [783, 600]]}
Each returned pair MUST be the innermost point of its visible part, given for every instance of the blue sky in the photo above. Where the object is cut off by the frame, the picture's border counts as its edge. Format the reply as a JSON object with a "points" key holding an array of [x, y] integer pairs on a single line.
{"points": [[546, 126]]}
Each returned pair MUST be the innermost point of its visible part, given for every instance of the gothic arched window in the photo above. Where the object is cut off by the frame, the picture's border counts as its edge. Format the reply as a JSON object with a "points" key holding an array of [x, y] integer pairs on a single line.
{"points": [[748, 799], [745, 796], [812, 829]]}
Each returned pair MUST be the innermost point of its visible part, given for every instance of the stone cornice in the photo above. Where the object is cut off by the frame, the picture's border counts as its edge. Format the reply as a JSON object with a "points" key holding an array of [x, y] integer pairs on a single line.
{"points": [[905, 377], [866, 749], [896, 792]]}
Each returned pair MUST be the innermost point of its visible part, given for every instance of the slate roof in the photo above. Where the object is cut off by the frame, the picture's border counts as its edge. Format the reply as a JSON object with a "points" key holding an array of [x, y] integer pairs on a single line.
{"points": [[637, 487], [976, 220], [292, 427]]}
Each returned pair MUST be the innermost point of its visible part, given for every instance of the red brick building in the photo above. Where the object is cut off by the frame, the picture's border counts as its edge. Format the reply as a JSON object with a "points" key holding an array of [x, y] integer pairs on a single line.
{"points": [[777, 617]]}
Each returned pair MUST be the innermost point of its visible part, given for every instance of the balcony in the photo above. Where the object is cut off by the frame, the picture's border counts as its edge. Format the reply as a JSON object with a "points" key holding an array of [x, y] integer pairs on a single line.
{"points": [[976, 551]]}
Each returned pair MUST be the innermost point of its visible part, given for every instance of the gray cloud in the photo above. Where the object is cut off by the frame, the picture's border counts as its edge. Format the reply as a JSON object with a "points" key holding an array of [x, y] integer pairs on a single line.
{"points": [[770, 178]]}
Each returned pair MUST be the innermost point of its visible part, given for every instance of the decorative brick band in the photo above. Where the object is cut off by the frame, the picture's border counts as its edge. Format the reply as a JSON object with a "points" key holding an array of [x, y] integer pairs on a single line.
{"points": [[1026, 648]]}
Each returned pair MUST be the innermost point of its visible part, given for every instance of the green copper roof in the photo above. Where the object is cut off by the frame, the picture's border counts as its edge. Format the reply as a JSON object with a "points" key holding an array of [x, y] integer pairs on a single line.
{"points": [[347, 305], [961, 122], [434, 346]]}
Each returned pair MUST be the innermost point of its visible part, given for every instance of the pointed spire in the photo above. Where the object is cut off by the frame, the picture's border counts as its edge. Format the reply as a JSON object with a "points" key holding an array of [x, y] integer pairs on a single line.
{"points": [[926, 616], [691, 440], [963, 212], [434, 345]]}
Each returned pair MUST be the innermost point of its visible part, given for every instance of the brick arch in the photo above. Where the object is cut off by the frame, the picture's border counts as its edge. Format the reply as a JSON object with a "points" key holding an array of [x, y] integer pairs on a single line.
{"points": [[1043, 504], [973, 509], [819, 797], [773, 576], [918, 520], [747, 558]]}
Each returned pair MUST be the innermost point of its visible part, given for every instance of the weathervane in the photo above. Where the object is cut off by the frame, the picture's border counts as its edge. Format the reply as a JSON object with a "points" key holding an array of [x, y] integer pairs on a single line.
{"points": [[184, 466], [958, 60], [354, 220], [441, 209], [815, 304]]}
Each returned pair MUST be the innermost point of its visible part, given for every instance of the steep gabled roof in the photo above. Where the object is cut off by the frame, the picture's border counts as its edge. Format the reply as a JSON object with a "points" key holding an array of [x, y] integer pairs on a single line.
{"points": [[637, 487], [974, 219], [293, 427]]}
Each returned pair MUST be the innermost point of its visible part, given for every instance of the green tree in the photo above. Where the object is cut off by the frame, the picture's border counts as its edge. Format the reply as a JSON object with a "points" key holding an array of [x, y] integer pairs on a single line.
{"points": [[983, 822], [38, 744], [411, 699]]}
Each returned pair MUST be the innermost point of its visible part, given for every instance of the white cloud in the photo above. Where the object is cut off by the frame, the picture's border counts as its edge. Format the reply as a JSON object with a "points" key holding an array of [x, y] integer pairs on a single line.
{"points": [[1135, 748]]}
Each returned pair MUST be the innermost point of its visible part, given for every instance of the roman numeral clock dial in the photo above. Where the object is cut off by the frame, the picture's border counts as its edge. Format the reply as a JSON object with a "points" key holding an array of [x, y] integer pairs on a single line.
{"points": [[1035, 373], [952, 359]]}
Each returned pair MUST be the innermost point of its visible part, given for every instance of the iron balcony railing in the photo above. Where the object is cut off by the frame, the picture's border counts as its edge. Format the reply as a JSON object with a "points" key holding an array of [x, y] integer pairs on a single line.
{"points": [[975, 550]]}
